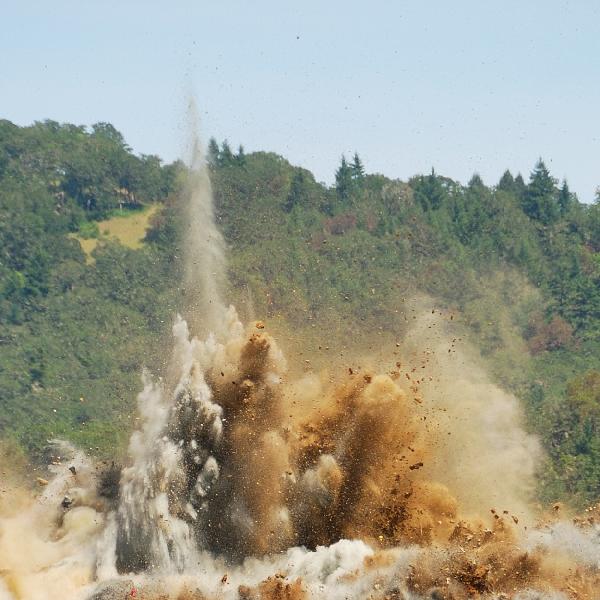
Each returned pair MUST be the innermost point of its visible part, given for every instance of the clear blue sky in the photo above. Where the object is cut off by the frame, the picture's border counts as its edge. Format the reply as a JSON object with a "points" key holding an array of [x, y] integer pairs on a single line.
{"points": [[462, 86]]}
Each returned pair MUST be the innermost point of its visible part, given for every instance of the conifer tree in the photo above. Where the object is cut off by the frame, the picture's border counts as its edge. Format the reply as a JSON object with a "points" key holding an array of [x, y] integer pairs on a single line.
{"points": [[358, 170], [507, 182], [213, 152], [565, 198], [476, 181], [226, 155], [593, 223], [297, 193], [520, 186], [343, 180], [539, 201], [241, 155], [429, 191]]}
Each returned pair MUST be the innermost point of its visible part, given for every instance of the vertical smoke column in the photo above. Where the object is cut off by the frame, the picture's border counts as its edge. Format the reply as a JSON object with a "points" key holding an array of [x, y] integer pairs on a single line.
{"points": [[171, 453], [204, 247]]}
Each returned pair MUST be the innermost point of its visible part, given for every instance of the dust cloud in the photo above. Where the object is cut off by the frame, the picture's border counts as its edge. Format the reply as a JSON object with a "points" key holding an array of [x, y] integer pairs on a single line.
{"points": [[412, 478]]}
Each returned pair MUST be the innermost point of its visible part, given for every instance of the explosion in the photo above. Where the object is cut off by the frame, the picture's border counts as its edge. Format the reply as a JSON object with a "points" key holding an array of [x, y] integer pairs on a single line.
{"points": [[411, 480], [243, 484]]}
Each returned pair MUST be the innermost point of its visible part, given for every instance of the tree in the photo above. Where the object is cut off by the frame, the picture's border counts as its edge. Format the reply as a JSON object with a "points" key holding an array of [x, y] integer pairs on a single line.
{"points": [[593, 223], [507, 183], [343, 180], [539, 201], [358, 170], [298, 191], [520, 186], [241, 156], [213, 152], [476, 182], [108, 131], [226, 155], [577, 424], [429, 191], [565, 198]]}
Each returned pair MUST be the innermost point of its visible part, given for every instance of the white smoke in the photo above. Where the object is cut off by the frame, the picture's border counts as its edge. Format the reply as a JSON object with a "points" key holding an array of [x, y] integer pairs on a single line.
{"points": [[205, 269], [564, 537], [157, 535]]}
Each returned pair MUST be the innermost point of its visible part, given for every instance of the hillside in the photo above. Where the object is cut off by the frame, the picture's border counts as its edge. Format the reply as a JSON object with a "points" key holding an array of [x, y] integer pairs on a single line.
{"points": [[128, 227], [517, 265]]}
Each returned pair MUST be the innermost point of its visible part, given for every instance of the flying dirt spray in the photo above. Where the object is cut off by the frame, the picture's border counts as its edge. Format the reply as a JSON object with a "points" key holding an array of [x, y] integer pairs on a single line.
{"points": [[204, 248], [412, 480]]}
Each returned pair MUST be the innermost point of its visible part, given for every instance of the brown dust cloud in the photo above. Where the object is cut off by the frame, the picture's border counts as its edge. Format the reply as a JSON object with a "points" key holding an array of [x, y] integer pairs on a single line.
{"points": [[412, 478]]}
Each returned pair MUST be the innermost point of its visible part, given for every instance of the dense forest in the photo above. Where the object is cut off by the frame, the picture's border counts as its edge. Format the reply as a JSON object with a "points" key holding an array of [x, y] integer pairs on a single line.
{"points": [[517, 262]]}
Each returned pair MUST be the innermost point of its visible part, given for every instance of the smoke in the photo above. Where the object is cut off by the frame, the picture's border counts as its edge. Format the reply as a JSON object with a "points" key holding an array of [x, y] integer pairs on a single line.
{"points": [[204, 247], [408, 479], [244, 484], [490, 460], [48, 544]]}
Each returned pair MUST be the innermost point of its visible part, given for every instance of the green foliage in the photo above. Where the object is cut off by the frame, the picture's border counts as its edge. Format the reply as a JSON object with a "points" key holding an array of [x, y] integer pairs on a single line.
{"points": [[94, 170], [507, 183], [63, 322], [240, 157], [299, 190], [226, 155], [593, 225], [518, 265], [565, 199], [88, 230], [213, 152], [431, 191], [358, 171], [344, 180], [573, 440], [540, 200]]}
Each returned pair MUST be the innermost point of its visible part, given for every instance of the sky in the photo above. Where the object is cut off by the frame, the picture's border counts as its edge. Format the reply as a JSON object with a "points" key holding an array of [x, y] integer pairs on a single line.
{"points": [[464, 86]]}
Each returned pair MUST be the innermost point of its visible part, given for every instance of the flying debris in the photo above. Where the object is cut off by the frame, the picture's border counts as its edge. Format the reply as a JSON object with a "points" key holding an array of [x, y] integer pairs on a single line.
{"points": [[242, 483]]}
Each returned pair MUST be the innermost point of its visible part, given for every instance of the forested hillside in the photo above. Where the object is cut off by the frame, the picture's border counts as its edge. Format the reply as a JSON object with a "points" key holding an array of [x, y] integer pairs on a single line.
{"points": [[517, 263]]}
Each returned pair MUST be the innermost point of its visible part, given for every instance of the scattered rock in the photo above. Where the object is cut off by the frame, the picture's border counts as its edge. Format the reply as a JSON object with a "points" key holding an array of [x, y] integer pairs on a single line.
{"points": [[113, 589], [108, 482]]}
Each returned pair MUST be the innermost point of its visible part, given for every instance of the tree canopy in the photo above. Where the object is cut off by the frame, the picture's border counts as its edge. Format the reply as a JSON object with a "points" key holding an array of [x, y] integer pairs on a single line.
{"points": [[517, 263]]}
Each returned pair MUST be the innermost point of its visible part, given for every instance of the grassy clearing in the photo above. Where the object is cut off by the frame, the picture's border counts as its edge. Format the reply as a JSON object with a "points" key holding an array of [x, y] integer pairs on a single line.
{"points": [[128, 227]]}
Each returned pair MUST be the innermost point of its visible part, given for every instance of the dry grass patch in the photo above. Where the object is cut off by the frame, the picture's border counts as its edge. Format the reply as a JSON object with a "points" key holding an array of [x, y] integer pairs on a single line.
{"points": [[129, 229]]}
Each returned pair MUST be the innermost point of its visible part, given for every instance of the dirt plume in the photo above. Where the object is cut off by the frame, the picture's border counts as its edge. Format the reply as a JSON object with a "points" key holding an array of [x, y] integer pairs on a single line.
{"points": [[243, 483]]}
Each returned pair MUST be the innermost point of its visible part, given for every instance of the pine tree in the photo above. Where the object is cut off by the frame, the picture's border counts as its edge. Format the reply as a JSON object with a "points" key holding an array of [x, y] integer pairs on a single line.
{"points": [[226, 155], [565, 198], [241, 155], [520, 186], [298, 191], [429, 191], [343, 180], [358, 170], [476, 181], [539, 201], [507, 183], [213, 152], [593, 223]]}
